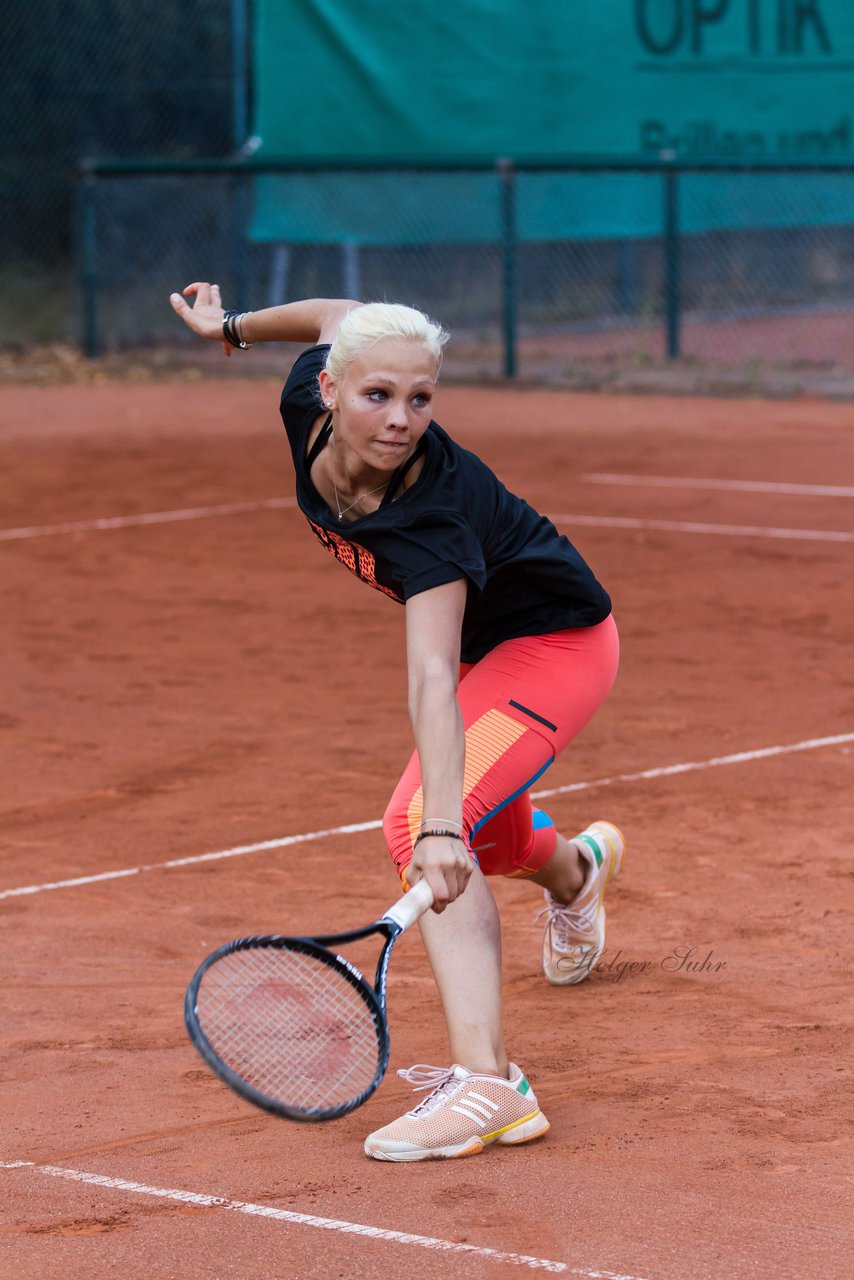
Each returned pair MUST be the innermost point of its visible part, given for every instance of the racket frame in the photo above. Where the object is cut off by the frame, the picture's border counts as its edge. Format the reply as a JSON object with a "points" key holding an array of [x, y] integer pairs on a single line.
{"points": [[390, 927]]}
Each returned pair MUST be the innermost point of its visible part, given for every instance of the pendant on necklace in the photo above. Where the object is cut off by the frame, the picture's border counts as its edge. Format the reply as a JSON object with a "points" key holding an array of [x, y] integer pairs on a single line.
{"points": [[361, 497]]}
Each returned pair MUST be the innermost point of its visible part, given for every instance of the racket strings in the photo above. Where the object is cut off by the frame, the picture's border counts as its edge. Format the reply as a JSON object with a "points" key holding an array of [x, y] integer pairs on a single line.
{"points": [[291, 1025]]}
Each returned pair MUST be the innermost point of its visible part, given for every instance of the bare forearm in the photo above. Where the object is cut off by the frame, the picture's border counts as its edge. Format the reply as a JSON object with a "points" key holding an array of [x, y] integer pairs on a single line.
{"points": [[313, 320], [433, 630], [439, 737], [305, 321]]}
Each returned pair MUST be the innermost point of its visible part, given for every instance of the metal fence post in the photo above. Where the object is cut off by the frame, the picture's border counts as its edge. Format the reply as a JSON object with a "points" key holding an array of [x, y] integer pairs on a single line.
{"points": [[351, 269], [241, 211], [508, 247], [89, 266], [671, 259]]}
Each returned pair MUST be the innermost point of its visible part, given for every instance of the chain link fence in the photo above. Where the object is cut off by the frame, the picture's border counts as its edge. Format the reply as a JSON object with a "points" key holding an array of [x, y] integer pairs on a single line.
{"points": [[739, 273], [593, 275]]}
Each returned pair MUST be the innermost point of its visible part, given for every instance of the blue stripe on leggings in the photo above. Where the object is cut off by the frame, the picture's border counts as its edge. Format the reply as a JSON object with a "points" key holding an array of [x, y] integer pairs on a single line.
{"points": [[515, 796], [541, 820]]}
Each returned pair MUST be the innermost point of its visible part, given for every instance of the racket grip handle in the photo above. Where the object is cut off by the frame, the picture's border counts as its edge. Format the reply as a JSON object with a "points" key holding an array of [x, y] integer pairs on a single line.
{"points": [[411, 906]]}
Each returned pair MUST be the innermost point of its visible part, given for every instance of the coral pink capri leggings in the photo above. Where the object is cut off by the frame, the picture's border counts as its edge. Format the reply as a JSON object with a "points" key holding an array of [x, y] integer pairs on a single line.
{"points": [[522, 704]]}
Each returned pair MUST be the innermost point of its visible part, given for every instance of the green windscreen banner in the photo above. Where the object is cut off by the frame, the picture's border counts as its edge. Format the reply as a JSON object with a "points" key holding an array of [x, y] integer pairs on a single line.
{"points": [[726, 80]]}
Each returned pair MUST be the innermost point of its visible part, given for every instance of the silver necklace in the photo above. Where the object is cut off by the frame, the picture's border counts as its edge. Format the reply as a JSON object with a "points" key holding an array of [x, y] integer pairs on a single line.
{"points": [[361, 498]]}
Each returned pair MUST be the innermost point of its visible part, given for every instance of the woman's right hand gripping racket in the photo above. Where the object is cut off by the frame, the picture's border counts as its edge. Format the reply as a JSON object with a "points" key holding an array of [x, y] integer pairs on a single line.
{"points": [[293, 1027]]}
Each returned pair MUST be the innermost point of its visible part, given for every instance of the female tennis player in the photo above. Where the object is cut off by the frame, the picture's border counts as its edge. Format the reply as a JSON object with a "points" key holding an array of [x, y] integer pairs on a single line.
{"points": [[511, 648]]}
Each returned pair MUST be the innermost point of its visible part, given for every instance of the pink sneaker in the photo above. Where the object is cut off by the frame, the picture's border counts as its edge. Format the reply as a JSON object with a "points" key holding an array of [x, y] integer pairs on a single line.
{"points": [[462, 1114]]}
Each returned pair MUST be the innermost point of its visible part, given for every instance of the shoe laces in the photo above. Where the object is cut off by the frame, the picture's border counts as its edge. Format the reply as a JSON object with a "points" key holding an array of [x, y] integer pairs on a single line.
{"points": [[565, 918], [442, 1081]]}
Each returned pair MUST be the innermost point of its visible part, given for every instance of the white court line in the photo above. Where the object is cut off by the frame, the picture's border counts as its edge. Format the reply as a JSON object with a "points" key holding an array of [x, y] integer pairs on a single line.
{"points": [[741, 486], [149, 517], [666, 771], [693, 526], [311, 1220], [237, 852], [275, 504]]}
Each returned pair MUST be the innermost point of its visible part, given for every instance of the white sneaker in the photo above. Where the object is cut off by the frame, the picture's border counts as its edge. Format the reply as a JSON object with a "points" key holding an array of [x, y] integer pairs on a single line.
{"points": [[461, 1115], [574, 938]]}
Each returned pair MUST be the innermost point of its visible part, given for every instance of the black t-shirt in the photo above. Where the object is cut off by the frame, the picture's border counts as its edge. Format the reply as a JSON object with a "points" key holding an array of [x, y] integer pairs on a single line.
{"points": [[456, 521]]}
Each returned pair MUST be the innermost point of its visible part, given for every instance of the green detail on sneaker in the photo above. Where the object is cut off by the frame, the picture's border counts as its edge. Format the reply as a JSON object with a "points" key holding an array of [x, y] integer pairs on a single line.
{"points": [[523, 1086], [591, 844]]}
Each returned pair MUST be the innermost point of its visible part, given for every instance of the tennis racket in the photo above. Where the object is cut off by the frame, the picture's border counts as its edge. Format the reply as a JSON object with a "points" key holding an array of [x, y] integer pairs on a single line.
{"points": [[291, 1025]]}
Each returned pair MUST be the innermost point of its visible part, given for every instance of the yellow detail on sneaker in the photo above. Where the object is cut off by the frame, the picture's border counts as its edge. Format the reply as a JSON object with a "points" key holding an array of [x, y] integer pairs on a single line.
{"points": [[490, 1137]]}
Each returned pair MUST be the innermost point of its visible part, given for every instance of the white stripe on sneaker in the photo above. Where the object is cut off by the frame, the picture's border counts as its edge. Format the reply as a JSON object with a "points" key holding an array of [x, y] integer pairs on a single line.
{"points": [[469, 1115], [487, 1102], [475, 1106]]}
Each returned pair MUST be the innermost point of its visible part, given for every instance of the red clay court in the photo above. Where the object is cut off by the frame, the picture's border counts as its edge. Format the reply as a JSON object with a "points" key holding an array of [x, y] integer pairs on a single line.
{"points": [[203, 716]]}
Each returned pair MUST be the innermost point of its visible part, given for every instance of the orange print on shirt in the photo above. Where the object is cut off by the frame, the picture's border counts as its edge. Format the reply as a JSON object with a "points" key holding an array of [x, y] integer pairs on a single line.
{"points": [[355, 558]]}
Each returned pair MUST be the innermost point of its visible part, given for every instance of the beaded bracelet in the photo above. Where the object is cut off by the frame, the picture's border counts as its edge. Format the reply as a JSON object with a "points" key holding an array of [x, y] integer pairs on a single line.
{"points": [[232, 329], [448, 822], [448, 835]]}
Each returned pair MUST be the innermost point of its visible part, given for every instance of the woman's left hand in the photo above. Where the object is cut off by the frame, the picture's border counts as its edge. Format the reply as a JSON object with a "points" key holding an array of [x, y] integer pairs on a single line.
{"points": [[205, 315]]}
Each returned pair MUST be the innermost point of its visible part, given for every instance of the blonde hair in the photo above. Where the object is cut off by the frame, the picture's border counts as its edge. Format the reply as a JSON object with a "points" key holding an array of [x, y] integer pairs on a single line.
{"points": [[364, 326]]}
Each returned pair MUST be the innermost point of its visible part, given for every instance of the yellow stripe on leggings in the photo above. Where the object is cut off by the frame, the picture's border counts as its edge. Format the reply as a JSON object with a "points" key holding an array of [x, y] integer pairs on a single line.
{"points": [[486, 742]]}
